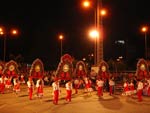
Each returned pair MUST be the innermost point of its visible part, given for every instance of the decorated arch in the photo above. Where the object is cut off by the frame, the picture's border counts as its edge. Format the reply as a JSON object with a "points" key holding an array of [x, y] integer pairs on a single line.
{"points": [[37, 69], [80, 70], [1, 68], [65, 68], [142, 70], [103, 70], [11, 69]]}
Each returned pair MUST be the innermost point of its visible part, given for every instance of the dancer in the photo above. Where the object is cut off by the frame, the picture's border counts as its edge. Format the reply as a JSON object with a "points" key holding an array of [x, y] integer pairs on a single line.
{"points": [[100, 84], [69, 91], [30, 85], [40, 85], [139, 90], [111, 86], [56, 91]]}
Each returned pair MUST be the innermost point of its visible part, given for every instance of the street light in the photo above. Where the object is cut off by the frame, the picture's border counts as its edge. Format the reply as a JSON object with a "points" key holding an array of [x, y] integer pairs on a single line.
{"points": [[144, 30], [86, 3], [99, 12], [5, 35], [61, 48]]}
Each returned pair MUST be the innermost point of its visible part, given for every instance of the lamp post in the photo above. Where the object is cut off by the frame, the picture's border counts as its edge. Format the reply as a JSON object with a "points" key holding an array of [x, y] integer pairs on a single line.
{"points": [[144, 30], [99, 13], [5, 35], [94, 34], [61, 44]]}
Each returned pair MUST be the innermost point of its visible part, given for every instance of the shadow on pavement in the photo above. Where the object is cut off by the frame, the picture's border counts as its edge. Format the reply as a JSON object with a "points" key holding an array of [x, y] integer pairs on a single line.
{"points": [[111, 102], [23, 96]]}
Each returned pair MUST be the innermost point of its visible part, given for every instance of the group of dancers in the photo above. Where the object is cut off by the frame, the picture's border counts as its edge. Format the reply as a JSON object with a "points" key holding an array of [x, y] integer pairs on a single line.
{"points": [[140, 87]]}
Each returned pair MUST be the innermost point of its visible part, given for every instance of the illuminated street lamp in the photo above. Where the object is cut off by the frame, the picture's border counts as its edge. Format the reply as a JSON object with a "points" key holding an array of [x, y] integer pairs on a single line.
{"points": [[144, 30], [99, 13], [86, 3], [61, 48], [103, 12], [5, 35]]}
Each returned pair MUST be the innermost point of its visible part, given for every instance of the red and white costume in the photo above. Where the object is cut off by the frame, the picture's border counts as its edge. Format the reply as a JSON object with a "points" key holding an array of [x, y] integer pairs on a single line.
{"points": [[139, 90], [39, 86], [16, 86], [30, 85], [2, 85], [56, 91], [22, 81], [111, 86], [100, 84], [88, 84], [148, 92], [69, 91], [131, 88], [76, 85], [126, 88], [8, 83]]}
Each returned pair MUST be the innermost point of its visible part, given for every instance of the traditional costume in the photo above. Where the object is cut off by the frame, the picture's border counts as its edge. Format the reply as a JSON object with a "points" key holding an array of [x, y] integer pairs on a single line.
{"points": [[56, 91], [111, 86], [139, 91], [69, 91], [16, 87], [131, 88], [126, 88], [100, 84], [76, 85], [30, 85], [88, 85], [40, 86], [104, 74], [2, 85]]}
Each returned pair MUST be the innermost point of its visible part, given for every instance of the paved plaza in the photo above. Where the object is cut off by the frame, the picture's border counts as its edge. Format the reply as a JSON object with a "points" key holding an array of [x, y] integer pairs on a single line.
{"points": [[81, 103]]}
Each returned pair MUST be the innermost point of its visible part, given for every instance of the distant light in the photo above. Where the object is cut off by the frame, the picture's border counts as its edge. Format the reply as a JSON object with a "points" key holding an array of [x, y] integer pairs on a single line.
{"points": [[84, 59], [86, 3], [61, 37], [120, 57], [103, 12], [1, 32], [1, 29], [144, 29], [14, 32], [120, 42], [94, 34]]}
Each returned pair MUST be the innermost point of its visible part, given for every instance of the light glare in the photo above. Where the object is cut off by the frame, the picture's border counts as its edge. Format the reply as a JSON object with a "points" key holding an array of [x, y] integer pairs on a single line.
{"points": [[94, 34], [86, 3]]}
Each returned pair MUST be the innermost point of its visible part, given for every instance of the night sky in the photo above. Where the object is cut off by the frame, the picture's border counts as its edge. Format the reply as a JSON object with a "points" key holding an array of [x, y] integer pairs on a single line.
{"points": [[40, 23]]}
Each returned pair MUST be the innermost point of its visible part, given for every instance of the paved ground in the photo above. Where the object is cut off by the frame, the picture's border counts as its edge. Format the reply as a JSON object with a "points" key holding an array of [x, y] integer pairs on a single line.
{"points": [[81, 103]]}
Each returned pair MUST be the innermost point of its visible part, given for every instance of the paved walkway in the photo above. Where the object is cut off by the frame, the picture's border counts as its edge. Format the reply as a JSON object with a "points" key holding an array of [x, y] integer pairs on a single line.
{"points": [[81, 103]]}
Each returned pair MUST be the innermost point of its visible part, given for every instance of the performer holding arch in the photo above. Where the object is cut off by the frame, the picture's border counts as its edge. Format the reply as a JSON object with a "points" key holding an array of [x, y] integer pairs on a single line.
{"points": [[10, 72], [65, 68], [142, 71], [37, 74], [104, 74]]}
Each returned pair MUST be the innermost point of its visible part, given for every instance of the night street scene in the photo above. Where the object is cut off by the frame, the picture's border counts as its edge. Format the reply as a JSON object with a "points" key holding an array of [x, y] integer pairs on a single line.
{"points": [[75, 56]]}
